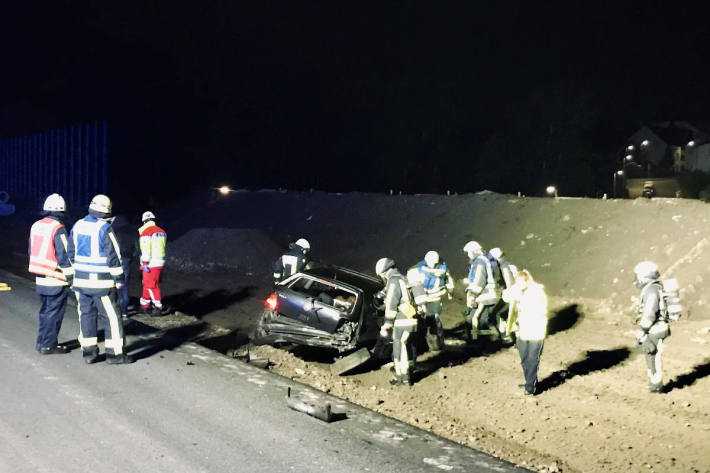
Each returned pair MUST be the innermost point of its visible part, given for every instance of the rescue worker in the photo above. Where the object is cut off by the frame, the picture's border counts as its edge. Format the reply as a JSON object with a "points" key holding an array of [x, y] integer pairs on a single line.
{"points": [[652, 322], [97, 264], [49, 252], [482, 295], [293, 261], [530, 303], [400, 321], [508, 273], [152, 241], [430, 280]]}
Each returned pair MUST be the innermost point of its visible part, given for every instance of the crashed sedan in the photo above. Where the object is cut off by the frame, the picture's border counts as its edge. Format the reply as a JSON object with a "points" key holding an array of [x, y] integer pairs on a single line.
{"points": [[325, 307]]}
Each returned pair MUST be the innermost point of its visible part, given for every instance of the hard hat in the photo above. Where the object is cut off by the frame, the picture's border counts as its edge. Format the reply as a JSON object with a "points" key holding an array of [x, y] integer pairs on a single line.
{"points": [[147, 215], [431, 258], [382, 265], [101, 203], [473, 247], [497, 253], [303, 243], [646, 270], [54, 203]]}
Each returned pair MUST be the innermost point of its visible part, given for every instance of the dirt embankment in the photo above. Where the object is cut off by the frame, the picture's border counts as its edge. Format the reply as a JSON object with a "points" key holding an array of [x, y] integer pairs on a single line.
{"points": [[594, 414]]}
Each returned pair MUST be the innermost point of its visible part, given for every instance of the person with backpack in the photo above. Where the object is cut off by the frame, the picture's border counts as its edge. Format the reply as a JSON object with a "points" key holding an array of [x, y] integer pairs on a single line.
{"points": [[652, 321], [483, 294], [400, 321]]}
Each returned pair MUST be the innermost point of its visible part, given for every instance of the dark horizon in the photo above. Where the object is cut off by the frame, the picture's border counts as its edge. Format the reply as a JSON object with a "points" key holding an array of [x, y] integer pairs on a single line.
{"points": [[406, 96]]}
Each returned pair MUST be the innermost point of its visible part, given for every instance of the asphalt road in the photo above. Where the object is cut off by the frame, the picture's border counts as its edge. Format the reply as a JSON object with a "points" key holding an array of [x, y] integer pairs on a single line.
{"points": [[183, 408]]}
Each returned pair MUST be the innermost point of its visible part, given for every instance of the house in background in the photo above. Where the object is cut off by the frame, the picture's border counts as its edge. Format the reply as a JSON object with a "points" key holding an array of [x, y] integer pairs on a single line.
{"points": [[658, 152], [666, 148]]}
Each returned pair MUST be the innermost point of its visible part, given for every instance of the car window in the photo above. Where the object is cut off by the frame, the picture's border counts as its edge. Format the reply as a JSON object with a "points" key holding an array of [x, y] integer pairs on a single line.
{"points": [[326, 293]]}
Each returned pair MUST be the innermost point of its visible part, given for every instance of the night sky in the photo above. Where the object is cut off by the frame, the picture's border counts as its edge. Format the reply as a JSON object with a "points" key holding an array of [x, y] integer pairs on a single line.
{"points": [[403, 95]]}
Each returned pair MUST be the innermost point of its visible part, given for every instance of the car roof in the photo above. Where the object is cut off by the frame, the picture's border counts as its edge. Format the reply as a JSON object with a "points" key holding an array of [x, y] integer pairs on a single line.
{"points": [[350, 277]]}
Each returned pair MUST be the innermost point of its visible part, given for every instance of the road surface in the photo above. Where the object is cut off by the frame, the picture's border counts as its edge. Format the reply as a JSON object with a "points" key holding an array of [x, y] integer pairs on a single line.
{"points": [[183, 408]]}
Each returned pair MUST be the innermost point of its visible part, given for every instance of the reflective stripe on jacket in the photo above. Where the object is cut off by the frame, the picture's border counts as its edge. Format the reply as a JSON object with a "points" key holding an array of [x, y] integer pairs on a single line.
{"points": [[49, 253], [396, 294], [152, 240], [97, 257], [482, 282]]}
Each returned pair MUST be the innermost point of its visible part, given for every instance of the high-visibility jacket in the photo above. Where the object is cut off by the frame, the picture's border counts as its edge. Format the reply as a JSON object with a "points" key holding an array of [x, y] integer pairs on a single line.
{"points": [[97, 257], [49, 250], [152, 240], [291, 262], [531, 306], [397, 297], [482, 281], [435, 281]]}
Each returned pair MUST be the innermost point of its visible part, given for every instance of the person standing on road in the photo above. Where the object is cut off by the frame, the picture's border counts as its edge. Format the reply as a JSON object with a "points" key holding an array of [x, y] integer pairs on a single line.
{"points": [[508, 273], [652, 322], [293, 261], [49, 252], [128, 244], [97, 264], [530, 302], [430, 280], [482, 295], [400, 321], [152, 240]]}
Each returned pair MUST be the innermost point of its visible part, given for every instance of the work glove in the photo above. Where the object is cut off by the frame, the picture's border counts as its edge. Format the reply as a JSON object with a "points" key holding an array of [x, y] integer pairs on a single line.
{"points": [[385, 330], [145, 268]]}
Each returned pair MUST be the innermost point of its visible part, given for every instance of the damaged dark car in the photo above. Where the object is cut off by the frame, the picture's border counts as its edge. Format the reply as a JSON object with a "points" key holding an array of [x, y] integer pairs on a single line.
{"points": [[324, 307]]}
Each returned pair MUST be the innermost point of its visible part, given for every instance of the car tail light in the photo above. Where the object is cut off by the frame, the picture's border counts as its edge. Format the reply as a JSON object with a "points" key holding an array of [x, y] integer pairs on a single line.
{"points": [[272, 302]]}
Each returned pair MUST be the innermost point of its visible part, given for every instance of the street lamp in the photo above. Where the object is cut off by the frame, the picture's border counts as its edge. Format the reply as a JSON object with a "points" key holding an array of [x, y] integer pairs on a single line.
{"points": [[620, 174]]}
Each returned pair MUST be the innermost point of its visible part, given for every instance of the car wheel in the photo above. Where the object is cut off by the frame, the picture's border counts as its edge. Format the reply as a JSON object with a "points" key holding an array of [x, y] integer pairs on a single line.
{"points": [[261, 330]]}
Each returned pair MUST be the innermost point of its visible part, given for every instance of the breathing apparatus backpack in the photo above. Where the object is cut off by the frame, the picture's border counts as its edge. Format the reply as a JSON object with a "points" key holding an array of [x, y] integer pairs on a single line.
{"points": [[671, 308]]}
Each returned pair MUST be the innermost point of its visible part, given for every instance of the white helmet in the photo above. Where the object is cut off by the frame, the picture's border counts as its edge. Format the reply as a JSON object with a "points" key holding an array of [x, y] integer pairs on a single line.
{"points": [[473, 247], [303, 243], [497, 253], [54, 203], [646, 271], [147, 215], [101, 203], [431, 258], [383, 265]]}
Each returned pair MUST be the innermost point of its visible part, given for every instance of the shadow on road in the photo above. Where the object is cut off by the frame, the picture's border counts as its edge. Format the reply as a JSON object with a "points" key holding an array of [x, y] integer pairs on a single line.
{"points": [[685, 380], [595, 360], [152, 341], [193, 303]]}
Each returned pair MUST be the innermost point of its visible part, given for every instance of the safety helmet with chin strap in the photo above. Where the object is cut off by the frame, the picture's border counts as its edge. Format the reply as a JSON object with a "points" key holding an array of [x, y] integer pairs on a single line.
{"points": [[473, 248], [147, 215], [646, 271], [101, 204], [431, 258], [303, 243]]}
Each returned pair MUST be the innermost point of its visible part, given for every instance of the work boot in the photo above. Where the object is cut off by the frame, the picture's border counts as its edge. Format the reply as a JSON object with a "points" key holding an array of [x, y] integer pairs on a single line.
{"points": [[56, 350], [90, 356], [121, 359]]}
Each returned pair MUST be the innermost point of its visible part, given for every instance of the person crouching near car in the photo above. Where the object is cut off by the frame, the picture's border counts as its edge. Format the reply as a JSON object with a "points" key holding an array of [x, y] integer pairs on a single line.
{"points": [[400, 321], [530, 302]]}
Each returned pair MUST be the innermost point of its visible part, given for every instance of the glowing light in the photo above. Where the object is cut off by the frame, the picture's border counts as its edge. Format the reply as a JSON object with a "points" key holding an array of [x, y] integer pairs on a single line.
{"points": [[630, 148], [224, 190], [552, 190], [629, 157], [691, 143], [645, 143], [620, 172], [272, 302]]}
